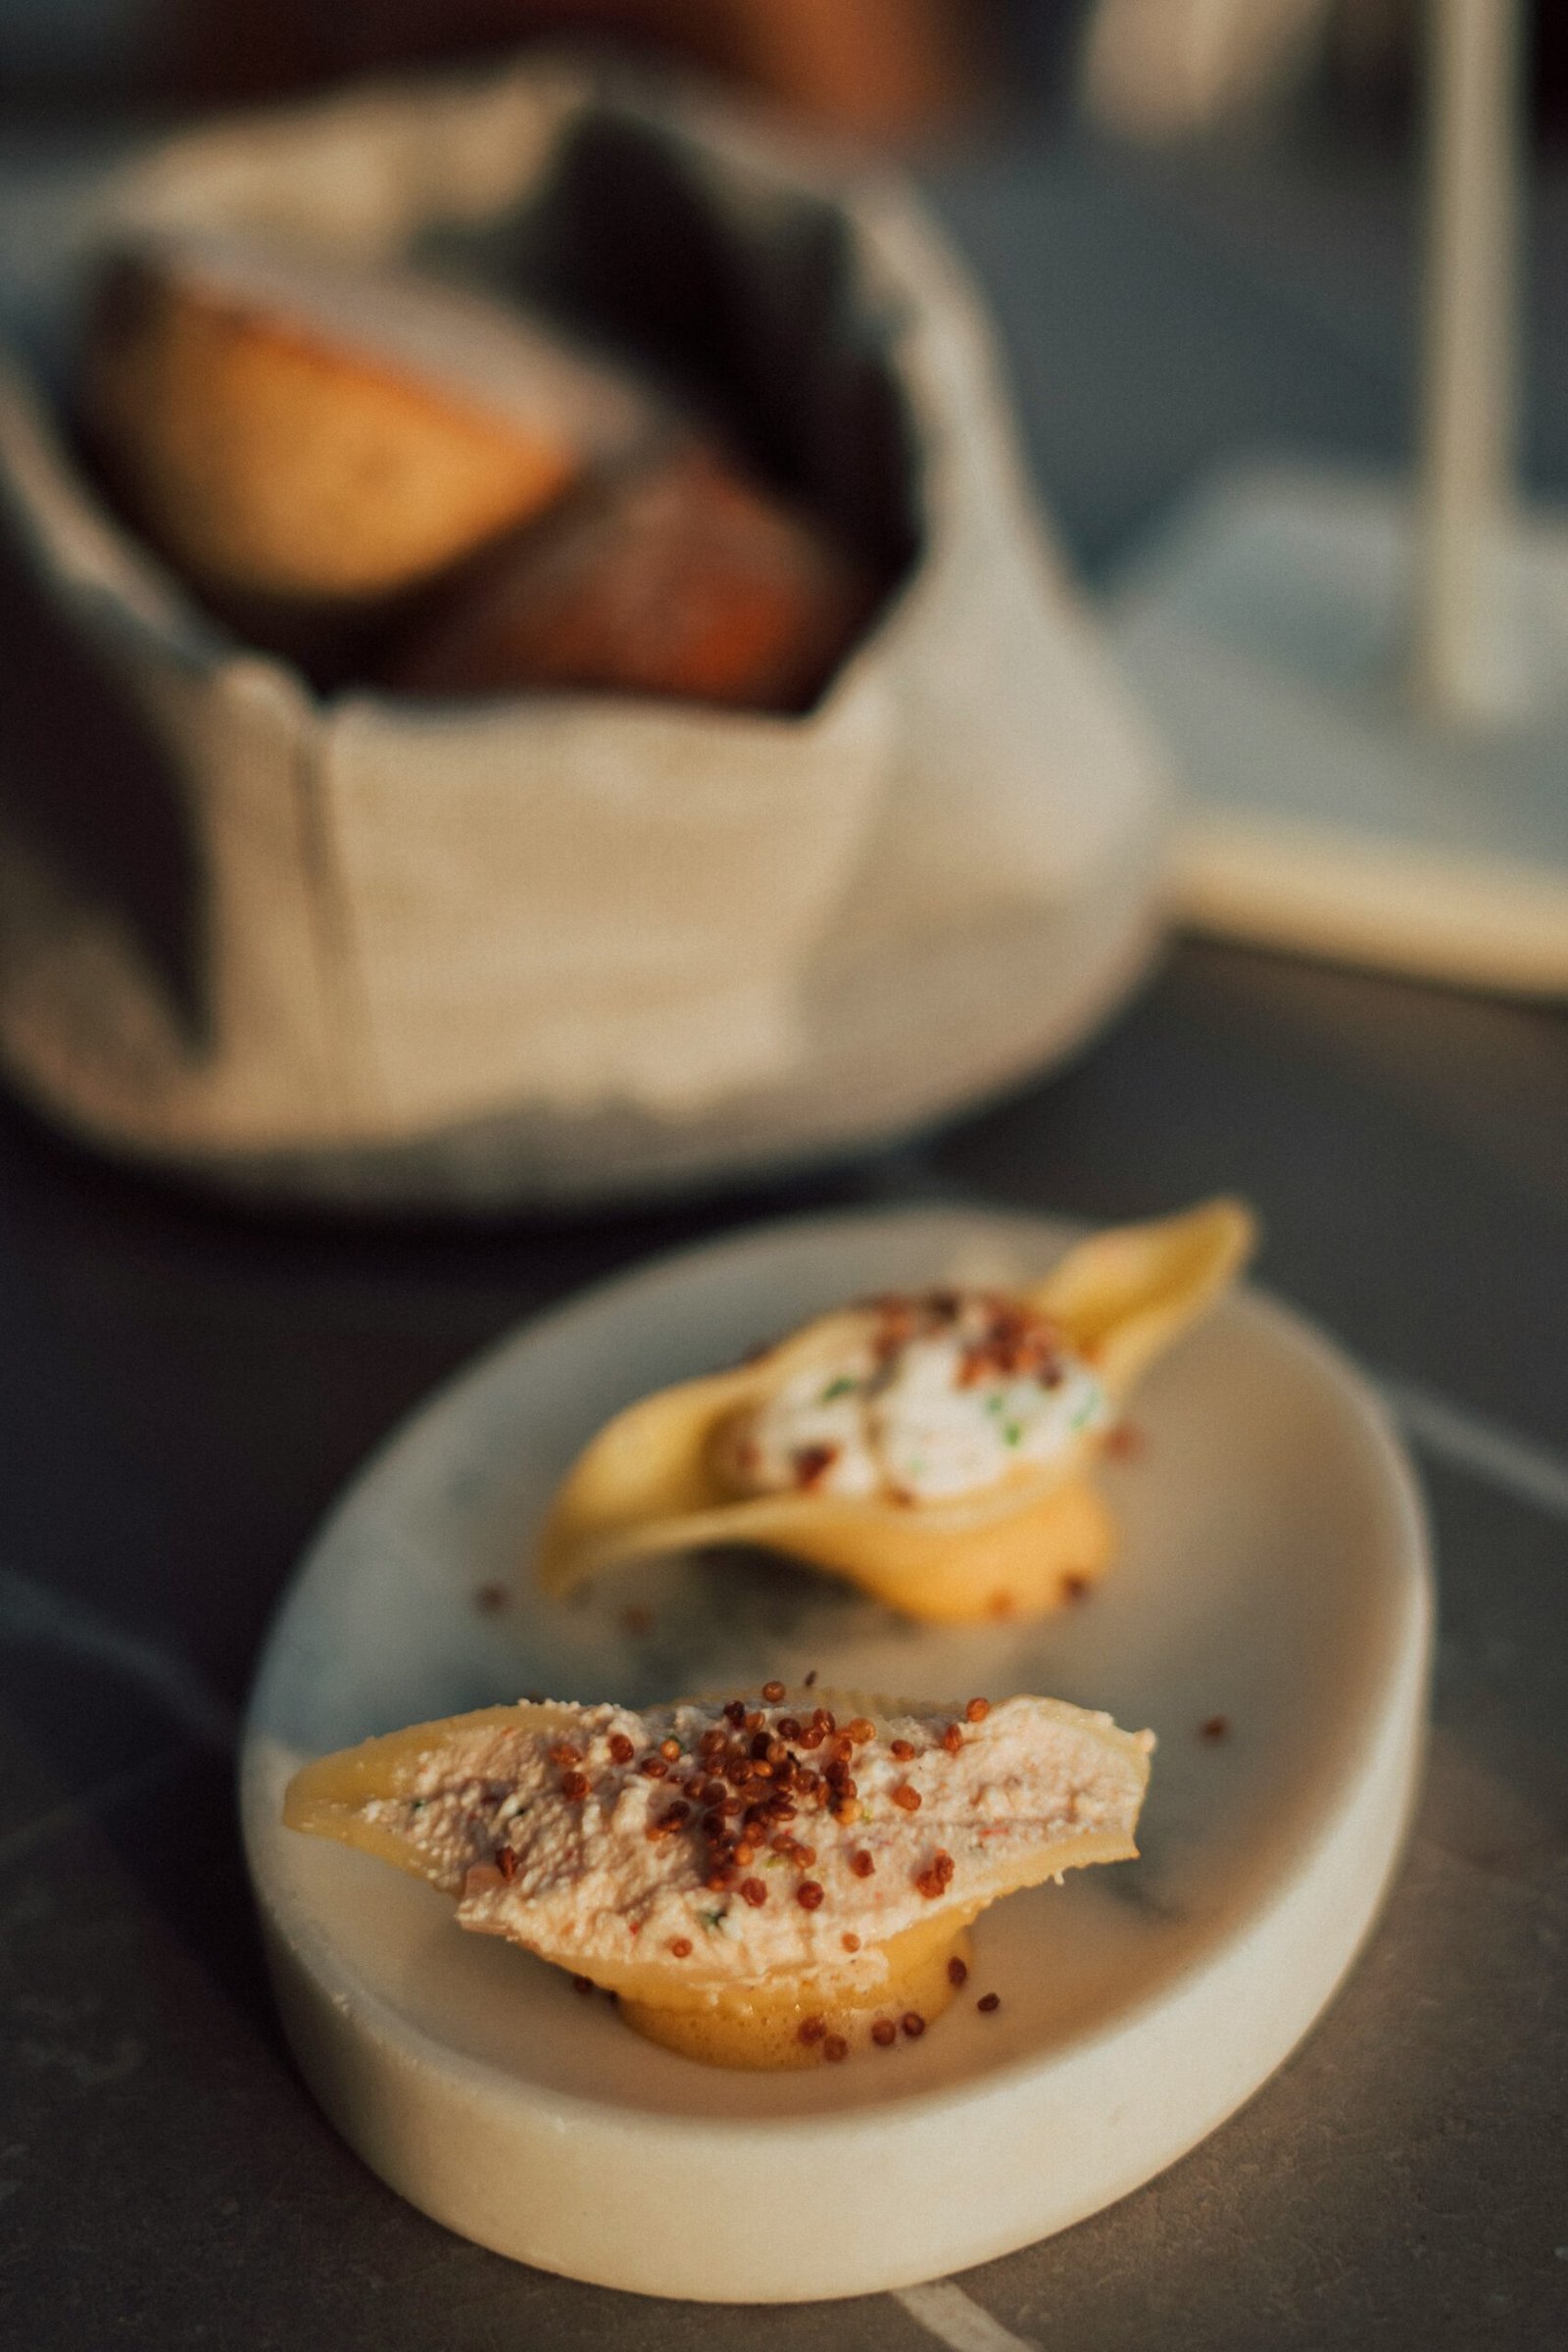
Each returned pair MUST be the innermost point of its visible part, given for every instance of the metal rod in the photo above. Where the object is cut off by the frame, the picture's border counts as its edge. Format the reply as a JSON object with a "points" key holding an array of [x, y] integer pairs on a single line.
{"points": [[1463, 659]]}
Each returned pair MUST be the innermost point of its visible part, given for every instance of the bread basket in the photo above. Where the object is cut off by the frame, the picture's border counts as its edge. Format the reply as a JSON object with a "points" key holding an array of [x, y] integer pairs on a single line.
{"points": [[565, 948]]}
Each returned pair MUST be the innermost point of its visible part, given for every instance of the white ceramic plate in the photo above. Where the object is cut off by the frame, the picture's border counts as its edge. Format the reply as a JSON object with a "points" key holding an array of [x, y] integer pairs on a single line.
{"points": [[1274, 1573]]}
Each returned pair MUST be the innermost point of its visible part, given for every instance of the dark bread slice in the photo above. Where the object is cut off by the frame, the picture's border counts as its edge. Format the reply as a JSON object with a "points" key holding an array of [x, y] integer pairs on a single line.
{"points": [[676, 577]]}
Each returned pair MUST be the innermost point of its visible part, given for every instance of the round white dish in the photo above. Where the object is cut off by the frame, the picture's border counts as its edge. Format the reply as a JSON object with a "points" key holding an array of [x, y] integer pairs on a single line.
{"points": [[1274, 1575]]}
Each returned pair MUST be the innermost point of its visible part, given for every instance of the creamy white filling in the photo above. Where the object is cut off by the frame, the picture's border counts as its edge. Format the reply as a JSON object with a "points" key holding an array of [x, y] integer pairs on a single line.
{"points": [[928, 1400]]}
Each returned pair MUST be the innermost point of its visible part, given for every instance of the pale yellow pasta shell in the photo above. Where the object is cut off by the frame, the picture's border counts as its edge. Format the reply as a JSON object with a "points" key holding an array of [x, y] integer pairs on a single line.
{"points": [[648, 1484]]}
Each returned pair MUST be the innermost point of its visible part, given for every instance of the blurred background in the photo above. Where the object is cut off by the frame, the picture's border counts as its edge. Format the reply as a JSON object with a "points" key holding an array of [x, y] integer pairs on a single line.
{"points": [[1198, 226], [1080, 150], [896, 69]]}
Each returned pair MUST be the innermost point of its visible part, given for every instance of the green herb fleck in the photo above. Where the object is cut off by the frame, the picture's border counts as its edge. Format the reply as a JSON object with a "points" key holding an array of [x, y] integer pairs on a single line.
{"points": [[844, 1386], [714, 1920], [1013, 1434]]}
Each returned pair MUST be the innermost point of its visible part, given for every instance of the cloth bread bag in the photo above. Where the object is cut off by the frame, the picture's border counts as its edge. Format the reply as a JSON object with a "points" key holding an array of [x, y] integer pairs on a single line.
{"points": [[562, 947]]}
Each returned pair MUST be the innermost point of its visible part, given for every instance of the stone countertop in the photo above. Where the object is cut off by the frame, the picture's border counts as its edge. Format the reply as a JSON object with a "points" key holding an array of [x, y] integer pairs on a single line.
{"points": [[182, 1391]]}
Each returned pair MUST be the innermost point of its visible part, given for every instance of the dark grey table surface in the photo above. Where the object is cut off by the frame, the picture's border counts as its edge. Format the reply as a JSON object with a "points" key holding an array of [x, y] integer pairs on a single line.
{"points": [[182, 1391]]}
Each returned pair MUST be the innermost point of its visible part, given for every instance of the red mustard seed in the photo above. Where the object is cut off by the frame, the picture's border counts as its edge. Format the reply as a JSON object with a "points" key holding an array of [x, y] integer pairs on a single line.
{"points": [[755, 1892], [860, 1730], [654, 1768], [851, 1944], [507, 1862], [772, 1692], [808, 1894], [811, 1465], [574, 1785], [835, 2049], [670, 1749], [952, 1738], [681, 1946], [907, 1799], [957, 1973], [978, 1709], [565, 1753], [903, 1749], [937, 1877], [1216, 1728], [861, 1864], [806, 1855], [914, 2023], [989, 2001], [884, 2033], [621, 1750], [582, 1984], [811, 2029]]}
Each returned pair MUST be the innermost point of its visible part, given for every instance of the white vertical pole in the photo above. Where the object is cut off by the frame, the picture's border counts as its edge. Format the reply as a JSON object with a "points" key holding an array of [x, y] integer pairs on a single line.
{"points": [[1464, 660]]}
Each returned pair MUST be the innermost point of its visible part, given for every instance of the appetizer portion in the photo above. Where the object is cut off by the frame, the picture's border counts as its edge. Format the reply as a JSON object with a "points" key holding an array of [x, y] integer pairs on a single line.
{"points": [[767, 1882], [930, 1447]]}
